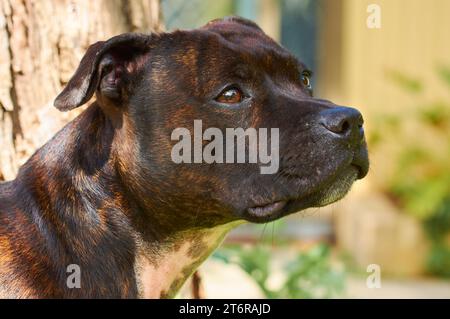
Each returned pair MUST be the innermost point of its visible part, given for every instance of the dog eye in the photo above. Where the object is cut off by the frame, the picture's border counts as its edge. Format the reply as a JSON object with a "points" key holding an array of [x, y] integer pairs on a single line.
{"points": [[306, 79], [230, 96]]}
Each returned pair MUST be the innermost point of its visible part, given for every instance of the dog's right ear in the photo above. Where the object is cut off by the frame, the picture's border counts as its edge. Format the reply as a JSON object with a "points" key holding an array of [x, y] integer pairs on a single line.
{"points": [[106, 66]]}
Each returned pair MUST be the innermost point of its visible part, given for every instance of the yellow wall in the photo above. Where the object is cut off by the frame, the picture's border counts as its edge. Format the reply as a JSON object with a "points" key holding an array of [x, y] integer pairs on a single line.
{"points": [[355, 62]]}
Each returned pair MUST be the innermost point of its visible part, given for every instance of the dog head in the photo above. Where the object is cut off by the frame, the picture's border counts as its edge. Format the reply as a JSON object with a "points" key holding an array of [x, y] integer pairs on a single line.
{"points": [[228, 75]]}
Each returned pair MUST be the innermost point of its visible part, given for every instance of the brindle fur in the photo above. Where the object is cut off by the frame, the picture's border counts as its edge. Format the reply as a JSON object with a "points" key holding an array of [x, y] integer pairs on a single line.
{"points": [[106, 182]]}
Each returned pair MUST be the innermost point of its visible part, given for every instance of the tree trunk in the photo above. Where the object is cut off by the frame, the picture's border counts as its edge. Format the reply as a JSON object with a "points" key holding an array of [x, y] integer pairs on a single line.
{"points": [[41, 44]]}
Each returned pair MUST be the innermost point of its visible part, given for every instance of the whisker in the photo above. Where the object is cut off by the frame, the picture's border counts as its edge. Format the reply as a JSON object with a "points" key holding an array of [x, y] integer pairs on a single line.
{"points": [[273, 229], [261, 238]]}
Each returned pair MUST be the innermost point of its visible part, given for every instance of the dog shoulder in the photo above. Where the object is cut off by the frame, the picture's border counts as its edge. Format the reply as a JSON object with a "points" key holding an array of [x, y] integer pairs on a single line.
{"points": [[12, 283]]}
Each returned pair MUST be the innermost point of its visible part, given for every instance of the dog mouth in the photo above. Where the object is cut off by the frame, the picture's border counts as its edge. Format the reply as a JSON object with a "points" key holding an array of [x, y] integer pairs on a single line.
{"points": [[268, 209], [333, 191]]}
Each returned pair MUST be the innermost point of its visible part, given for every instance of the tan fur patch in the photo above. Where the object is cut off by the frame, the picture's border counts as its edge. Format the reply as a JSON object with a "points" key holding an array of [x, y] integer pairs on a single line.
{"points": [[161, 274]]}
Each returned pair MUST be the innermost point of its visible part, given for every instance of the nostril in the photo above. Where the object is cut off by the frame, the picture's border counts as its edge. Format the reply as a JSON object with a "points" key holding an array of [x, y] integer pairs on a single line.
{"points": [[344, 127], [338, 126], [342, 120]]}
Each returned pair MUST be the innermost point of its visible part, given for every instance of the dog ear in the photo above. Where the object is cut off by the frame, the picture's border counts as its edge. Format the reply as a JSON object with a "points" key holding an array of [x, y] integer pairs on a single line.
{"points": [[106, 66]]}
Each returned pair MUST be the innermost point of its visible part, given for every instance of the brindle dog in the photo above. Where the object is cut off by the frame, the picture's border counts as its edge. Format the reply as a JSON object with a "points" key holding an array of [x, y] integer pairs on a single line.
{"points": [[105, 195]]}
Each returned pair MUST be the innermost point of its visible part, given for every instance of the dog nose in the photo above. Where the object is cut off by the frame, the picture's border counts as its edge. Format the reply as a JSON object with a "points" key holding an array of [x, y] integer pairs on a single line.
{"points": [[343, 121]]}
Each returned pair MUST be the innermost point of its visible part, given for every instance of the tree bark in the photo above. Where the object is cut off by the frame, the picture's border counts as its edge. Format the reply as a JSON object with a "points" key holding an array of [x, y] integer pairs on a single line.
{"points": [[41, 44]]}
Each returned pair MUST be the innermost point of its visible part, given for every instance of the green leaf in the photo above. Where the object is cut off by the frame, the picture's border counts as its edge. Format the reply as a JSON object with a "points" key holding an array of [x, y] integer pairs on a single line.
{"points": [[444, 74], [404, 81]]}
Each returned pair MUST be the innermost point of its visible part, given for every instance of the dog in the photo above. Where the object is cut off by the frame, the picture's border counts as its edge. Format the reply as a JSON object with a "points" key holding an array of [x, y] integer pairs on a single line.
{"points": [[103, 199]]}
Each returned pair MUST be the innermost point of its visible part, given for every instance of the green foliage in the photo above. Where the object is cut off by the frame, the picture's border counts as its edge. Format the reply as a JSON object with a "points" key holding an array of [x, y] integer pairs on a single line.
{"points": [[436, 114], [307, 275], [444, 73], [422, 180], [438, 262], [437, 228], [421, 184], [406, 82]]}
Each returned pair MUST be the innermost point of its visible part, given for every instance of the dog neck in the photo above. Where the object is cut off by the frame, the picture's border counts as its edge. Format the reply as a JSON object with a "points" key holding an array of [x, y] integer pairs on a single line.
{"points": [[73, 181], [161, 273]]}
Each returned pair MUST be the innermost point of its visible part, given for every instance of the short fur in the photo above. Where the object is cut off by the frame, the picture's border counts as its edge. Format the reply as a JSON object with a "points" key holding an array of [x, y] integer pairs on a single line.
{"points": [[103, 192]]}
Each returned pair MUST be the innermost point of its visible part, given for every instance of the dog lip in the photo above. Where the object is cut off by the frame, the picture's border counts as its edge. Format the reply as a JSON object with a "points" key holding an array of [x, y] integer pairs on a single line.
{"points": [[360, 161], [267, 209], [362, 169]]}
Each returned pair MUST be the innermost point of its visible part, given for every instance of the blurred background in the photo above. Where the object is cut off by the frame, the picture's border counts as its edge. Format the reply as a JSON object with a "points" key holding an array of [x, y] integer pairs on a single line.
{"points": [[398, 75], [390, 237]]}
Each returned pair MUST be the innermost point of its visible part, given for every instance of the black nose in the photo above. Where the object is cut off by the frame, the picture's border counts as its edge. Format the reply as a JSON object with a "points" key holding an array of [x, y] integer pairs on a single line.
{"points": [[343, 121]]}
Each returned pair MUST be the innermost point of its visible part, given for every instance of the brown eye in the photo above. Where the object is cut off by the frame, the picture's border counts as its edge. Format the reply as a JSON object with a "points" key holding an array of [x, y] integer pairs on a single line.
{"points": [[306, 79], [230, 96]]}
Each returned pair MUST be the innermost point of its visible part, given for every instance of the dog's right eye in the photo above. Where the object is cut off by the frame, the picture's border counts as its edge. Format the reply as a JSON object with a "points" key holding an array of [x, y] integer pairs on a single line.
{"points": [[306, 79], [230, 95]]}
